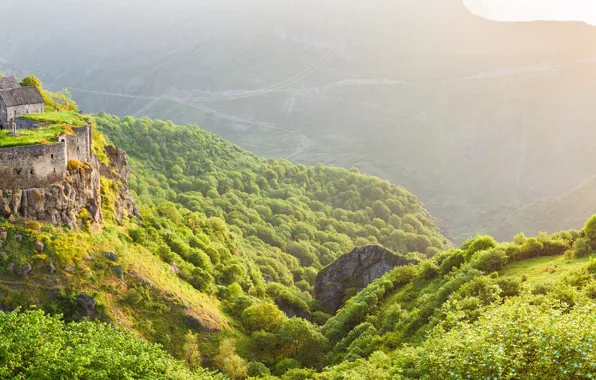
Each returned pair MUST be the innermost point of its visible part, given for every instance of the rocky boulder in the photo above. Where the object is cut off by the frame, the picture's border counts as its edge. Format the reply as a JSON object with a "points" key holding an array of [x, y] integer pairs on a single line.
{"points": [[352, 272], [118, 171], [86, 305], [59, 203]]}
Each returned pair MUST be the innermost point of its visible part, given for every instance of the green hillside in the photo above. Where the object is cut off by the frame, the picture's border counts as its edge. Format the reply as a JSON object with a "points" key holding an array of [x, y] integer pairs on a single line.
{"points": [[218, 275], [288, 220], [224, 236], [511, 310], [551, 214]]}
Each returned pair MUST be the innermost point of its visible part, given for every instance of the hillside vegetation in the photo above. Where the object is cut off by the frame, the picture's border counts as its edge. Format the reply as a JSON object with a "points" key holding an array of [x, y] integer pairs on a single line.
{"points": [[509, 310], [551, 214], [288, 220], [481, 119], [219, 273]]}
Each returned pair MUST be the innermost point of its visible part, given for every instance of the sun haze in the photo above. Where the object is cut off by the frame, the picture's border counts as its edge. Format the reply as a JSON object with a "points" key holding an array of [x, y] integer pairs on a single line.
{"points": [[530, 10]]}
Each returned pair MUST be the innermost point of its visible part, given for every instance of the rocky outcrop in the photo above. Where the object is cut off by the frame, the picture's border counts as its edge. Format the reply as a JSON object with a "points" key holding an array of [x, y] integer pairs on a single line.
{"points": [[352, 272], [118, 171], [86, 305], [60, 203]]}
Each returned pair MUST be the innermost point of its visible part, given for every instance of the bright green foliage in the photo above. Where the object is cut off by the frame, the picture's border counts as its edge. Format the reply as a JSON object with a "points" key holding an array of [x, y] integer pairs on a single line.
{"points": [[229, 362], [516, 340], [257, 369], [31, 81], [36, 346], [237, 233], [491, 260], [289, 220], [582, 247], [300, 340], [477, 244], [590, 228], [262, 317]]}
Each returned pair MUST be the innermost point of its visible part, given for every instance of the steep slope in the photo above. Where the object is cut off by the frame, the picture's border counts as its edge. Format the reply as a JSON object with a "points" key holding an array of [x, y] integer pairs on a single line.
{"points": [[482, 310], [569, 210], [313, 214], [219, 234], [471, 115]]}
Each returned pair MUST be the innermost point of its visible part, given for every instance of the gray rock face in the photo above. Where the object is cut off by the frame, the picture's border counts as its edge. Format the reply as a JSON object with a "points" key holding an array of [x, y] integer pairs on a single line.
{"points": [[86, 305], [62, 201], [352, 272], [59, 203], [39, 246], [25, 270], [111, 256], [118, 171], [118, 270]]}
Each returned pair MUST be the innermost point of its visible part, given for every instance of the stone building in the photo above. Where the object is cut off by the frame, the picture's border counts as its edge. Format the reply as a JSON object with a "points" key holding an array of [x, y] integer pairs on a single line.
{"points": [[6, 83], [43, 165], [15, 102]]}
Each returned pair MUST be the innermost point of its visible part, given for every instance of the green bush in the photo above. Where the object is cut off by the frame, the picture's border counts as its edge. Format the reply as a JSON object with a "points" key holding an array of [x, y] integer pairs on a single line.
{"points": [[285, 365], [492, 260], [37, 346], [262, 317], [257, 369]]}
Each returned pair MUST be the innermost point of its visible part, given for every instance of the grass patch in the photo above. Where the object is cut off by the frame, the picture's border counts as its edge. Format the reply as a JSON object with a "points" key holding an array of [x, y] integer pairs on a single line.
{"points": [[57, 123], [545, 269], [71, 118], [44, 135]]}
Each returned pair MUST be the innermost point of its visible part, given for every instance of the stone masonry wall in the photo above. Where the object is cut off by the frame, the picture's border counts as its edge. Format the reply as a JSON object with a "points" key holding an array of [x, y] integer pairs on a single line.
{"points": [[32, 166], [16, 111], [59, 203], [28, 124], [78, 146]]}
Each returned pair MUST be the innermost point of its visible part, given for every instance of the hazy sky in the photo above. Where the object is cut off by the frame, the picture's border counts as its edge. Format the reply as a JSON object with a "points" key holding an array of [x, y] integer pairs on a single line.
{"points": [[524, 10]]}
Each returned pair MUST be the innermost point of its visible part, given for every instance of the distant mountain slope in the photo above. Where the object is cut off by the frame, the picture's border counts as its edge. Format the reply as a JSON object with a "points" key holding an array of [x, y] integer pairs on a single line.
{"points": [[568, 210], [472, 115]]}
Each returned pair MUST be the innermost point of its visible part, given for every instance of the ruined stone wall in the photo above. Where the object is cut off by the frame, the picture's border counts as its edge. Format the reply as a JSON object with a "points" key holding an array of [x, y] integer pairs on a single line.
{"points": [[25, 109], [16, 111], [78, 146], [3, 117], [32, 166], [28, 124], [59, 203], [8, 113]]}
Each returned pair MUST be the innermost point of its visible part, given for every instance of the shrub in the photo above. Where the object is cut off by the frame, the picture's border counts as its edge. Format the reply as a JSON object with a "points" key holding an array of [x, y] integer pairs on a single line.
{"points": [[477, 244], [454, 260], [285, 365], [76, 164], [37, 346], [429, 269], [517, 340], [319, 318], [298, 374], [229, 362], [581, 247], [590, 228], [492, 260], [262, 317], [257, 369]]}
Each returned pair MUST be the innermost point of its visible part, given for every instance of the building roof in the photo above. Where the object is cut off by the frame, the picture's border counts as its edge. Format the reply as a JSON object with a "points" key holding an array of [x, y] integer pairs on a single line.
{"points": [[21, 96], [8, 83]]}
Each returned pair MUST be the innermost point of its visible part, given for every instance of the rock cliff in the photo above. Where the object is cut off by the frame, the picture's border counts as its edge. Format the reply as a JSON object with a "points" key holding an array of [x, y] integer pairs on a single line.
{"points": [[352, 272], [118, 171], [69, 202]]}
